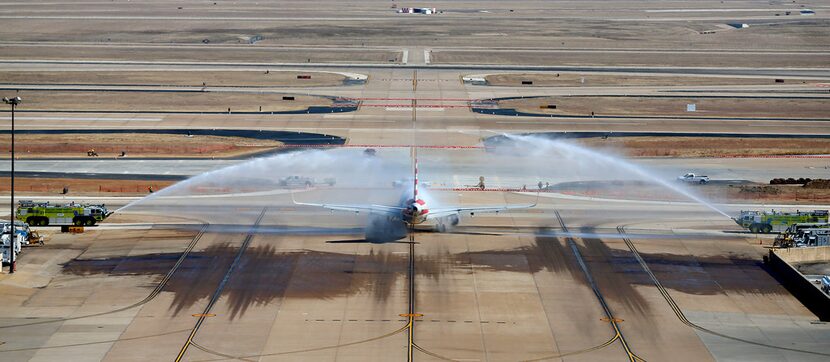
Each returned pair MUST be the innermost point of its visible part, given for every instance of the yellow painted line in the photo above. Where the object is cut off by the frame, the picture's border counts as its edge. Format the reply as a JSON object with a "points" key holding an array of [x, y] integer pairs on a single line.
{"points": [[411, 315], [615, 320], [204, 315]]}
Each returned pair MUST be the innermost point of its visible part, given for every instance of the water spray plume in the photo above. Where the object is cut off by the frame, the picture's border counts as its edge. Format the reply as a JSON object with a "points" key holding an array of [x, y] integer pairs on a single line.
{"points": [[262, 179], [581, 160]]}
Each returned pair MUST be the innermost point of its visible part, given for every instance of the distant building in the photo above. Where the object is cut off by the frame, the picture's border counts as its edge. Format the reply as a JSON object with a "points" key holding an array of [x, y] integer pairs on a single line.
{"points": [[738, 25], [427, 11]]}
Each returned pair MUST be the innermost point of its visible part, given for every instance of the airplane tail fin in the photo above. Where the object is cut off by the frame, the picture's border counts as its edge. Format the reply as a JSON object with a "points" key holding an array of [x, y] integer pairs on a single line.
{"points": [[415, 171]]}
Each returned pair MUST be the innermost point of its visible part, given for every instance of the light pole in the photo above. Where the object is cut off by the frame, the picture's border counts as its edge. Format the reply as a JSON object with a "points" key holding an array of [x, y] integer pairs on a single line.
{"points": [[13, 102]]}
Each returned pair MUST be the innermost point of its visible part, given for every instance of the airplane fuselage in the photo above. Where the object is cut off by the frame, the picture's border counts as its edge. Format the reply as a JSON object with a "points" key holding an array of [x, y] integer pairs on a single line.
{"points": [[415, 212]]}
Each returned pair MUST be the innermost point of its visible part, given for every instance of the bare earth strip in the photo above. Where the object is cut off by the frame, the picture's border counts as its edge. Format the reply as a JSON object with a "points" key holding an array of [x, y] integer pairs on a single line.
{"points": [[576, 58], [598, 80], [205, 54], [86, 187], [167, 101], [748, 193], [709, 146], [177, 78], [134, 144], [656, 106], [331, 24]]}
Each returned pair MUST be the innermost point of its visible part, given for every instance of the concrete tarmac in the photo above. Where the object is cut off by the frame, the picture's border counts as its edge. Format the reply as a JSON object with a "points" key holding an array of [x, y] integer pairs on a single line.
{"points": [[253, 276]]}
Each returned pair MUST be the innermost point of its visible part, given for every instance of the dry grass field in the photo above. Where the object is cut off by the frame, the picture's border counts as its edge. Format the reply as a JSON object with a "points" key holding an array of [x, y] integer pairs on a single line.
{"points": [[176, 78], [55, 186], [749, 193], [709, 146], [185, 101], [603, 80], [370, 31], [673, 106], [204, 53], [135, 145], [633, 58]]}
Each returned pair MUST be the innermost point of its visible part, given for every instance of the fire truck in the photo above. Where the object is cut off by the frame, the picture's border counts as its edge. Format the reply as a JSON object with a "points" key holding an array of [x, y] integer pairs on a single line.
{"points": [[767, 222], [43, 214]]}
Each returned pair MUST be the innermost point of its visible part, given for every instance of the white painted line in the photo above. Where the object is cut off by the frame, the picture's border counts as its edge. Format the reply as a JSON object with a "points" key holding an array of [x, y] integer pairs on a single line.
{"points": [[405, 56], [426, 56], [330, 120], [103, 119]]}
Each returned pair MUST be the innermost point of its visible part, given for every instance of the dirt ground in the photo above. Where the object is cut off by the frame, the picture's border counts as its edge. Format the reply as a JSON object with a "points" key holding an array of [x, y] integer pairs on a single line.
{"points": [[599, 80], [167, 101], [134, 144], [577, 58], [202, 54], [748, 193], [86, 187], [177, 78], [531, 24], [671, 106], [709, 146]]}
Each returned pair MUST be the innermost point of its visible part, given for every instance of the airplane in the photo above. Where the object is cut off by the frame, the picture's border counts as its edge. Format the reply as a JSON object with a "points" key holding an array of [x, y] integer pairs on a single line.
{"points": [[390, 223]]}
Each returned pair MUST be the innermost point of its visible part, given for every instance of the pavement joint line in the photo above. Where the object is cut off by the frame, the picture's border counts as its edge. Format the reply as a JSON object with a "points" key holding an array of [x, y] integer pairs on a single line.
{"points": [[618, 335], [156, 291], [404, 320], [679, 312], [220, 288]]}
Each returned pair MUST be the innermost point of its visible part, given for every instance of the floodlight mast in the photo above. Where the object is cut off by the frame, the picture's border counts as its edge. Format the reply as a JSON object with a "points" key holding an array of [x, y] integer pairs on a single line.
{"points": [[13, 230]]}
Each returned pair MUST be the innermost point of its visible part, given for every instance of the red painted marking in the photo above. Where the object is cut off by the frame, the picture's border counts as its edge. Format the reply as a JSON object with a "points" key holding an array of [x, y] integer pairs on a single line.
{"points": [[778, 156], [410, 99], [417, 105], [380, 146], [495, 189]]}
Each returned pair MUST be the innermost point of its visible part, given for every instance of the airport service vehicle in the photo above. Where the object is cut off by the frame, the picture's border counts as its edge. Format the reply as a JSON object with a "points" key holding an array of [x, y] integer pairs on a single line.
{"points": [[390, 223], [43, 214], [767, 222], [25, 235], [5, 247], [813, 237], [693, 179], [795, 234], [302, 181], [404, 182]]}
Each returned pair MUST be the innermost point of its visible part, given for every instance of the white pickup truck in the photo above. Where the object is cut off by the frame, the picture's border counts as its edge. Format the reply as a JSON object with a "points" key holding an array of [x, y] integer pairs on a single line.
{"points": [[692, 178], [302, 181]]}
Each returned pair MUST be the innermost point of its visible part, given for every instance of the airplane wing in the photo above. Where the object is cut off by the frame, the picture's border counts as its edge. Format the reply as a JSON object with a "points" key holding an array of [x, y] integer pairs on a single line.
{"points": [[374, 209], [447, 211]]}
